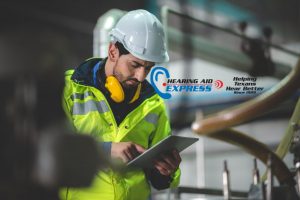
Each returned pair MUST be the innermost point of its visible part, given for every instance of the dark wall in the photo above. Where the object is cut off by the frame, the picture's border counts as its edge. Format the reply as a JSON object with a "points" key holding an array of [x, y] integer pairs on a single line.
{"points": [[49, 35]]}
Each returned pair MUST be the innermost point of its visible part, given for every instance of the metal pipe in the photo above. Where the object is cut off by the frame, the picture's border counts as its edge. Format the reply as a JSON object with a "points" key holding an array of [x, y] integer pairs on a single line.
{"points": [[226, 182], [285, 143], [270, 179], [255, 173], [297, 165]]}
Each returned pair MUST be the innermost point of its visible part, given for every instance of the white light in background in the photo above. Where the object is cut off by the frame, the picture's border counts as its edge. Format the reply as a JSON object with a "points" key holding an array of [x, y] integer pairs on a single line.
{"points": [[109, 23]]}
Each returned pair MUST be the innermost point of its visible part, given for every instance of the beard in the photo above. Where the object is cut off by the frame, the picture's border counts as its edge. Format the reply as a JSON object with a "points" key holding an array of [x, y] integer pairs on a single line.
{"points": [[126, 82], [130, 83]]}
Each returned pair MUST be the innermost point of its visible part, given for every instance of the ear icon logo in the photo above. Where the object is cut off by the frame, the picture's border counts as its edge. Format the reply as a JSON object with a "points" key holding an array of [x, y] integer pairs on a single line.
{"points": [[155, 73]]}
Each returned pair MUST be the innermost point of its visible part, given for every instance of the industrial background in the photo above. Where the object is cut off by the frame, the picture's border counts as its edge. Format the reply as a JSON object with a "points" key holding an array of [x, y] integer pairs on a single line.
{"points": [[207, 39]]}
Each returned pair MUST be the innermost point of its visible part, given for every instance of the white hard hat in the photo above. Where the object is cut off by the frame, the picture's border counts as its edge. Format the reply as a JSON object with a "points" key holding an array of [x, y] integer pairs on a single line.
{"points": [[141, 33]]}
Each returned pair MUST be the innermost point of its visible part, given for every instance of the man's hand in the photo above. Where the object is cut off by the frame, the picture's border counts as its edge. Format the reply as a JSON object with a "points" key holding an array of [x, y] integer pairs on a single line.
{"points": [[168, 163], [126, 150]]}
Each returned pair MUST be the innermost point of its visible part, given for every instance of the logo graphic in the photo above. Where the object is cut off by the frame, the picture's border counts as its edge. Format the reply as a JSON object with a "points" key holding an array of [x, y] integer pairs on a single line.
{"points": [[155, 72], [175, 85], [218, 84]]}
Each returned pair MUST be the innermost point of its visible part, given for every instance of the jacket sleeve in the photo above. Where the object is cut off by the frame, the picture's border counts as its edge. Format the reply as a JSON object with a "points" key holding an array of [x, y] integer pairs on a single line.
{"points": [[67, 104], [163, 130], [66, 99]]}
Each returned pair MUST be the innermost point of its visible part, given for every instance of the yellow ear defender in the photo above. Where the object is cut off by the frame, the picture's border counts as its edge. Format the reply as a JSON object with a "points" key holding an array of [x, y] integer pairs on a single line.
{"points": [[137, 93], [116, 91]]}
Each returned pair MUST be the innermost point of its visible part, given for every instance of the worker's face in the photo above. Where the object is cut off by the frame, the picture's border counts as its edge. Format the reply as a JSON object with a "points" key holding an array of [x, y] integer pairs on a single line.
{"points": [[130, 70]]}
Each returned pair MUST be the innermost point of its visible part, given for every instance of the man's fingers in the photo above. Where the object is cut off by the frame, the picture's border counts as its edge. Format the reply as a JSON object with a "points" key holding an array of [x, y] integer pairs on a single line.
{"points": [[126, 150], [170, 161], [133, 151], [139, 148], [129, 154], [165, 165], [161, 169], [124, 157]]}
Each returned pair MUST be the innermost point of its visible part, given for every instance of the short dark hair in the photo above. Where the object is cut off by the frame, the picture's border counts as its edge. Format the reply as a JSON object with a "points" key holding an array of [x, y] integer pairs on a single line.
{"points": [[121, 48]]}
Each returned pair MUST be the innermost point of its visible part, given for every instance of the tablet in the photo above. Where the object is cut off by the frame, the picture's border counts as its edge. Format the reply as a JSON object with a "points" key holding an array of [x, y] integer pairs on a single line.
{"points": [[164, 146]]}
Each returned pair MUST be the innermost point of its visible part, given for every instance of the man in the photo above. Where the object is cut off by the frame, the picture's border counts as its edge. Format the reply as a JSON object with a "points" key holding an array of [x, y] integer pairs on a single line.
{"points": [[111, 100]]}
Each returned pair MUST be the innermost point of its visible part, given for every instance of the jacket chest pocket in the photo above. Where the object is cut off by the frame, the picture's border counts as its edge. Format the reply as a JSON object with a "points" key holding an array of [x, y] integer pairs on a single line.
{"points": [[143, 132]]}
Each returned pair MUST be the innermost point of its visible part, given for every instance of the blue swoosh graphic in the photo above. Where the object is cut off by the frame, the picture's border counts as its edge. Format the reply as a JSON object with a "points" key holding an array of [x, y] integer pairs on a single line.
{"points": [[155, 72]]}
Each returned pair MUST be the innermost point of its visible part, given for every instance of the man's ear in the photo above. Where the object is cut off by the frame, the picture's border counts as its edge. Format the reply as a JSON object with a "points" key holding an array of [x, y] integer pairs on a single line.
{"points": [[113, 52]]}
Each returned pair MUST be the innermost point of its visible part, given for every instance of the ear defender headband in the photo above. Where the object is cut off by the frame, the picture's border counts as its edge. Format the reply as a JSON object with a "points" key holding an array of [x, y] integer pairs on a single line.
{"points": [[116, 91]]}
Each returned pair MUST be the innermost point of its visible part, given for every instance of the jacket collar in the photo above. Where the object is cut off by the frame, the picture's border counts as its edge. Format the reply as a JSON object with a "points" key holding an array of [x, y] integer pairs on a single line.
{"points": [[84, 73]]}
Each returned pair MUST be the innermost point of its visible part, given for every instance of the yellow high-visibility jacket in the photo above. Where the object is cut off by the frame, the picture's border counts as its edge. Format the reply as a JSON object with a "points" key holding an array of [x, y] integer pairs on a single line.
{"points": [[90, 113]]}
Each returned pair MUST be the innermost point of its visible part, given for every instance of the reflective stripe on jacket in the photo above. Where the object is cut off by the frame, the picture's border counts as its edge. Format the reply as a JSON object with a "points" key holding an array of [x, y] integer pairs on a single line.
{"points": [[146, 125]]}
